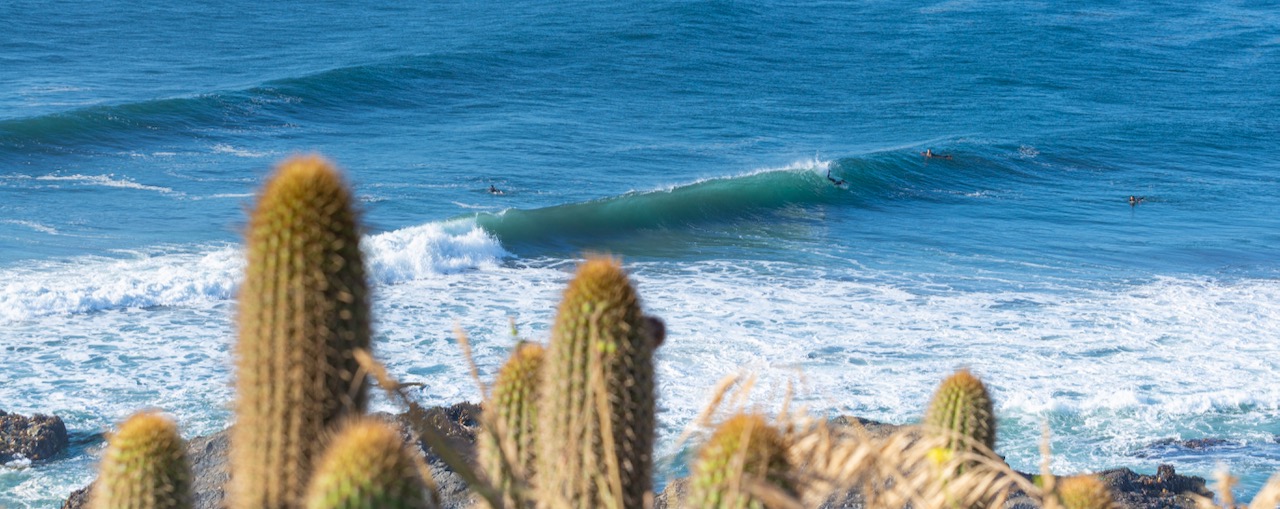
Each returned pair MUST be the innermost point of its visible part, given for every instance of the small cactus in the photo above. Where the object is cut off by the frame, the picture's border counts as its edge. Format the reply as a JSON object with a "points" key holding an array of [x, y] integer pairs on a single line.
{"points": [[368, 467], [960, 409], [596, 421], [743, 450], [304, 307], [511, 421], [1084, 492], [145, 467]]}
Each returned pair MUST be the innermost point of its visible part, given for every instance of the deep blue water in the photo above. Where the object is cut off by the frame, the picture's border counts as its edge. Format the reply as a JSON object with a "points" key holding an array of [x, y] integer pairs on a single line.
{"points": [[693, 140]]}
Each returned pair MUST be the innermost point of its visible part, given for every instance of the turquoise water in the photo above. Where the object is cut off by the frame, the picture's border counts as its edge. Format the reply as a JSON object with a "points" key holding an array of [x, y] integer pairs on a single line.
{"points": [[693, 140]]}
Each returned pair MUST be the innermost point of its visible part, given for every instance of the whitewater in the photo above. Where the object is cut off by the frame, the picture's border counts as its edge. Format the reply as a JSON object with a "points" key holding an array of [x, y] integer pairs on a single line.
{"points": [[697, 143]]}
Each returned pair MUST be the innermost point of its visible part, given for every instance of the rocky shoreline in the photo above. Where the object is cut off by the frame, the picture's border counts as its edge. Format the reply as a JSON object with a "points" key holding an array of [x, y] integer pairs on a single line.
{"points": [[459, 423]]}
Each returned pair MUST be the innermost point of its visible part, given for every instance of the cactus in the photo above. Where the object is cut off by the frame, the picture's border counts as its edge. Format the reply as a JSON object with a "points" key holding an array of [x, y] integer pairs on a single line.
{"points": [[962, 410], [511, 422], [303, 309], [1084, 492], [368, 467], [596, 421], [145, 467], [743, 450]]}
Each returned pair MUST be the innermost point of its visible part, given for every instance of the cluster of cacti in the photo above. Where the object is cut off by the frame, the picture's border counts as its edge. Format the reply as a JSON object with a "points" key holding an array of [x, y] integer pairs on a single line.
{"points": [[744, 452], [570, 425], [145, 467]]}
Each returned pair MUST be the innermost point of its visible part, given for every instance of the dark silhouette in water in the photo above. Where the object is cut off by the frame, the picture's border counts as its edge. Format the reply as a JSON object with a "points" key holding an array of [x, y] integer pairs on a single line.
{"points": [[928, 154], [494, 190], [834, 181], [1135, 200]]}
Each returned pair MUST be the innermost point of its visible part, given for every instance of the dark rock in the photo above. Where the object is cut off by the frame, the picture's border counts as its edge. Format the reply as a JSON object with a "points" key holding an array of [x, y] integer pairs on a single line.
{"points": [[36, 438], [458, 423]]}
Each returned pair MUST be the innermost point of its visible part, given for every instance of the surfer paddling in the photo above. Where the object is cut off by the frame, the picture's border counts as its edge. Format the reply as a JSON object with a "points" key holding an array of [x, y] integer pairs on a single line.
{"points": [[494, 190], [1135, 200], [833, 180], [928, 154]]}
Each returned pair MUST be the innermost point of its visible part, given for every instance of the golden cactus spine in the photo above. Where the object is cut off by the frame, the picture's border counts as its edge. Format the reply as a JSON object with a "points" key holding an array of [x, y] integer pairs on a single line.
{"points": [[145, 467], [304, 307], [1084, 492], [367, 467], [506, 449], [744, 451], [596, 421], [961, 410]]}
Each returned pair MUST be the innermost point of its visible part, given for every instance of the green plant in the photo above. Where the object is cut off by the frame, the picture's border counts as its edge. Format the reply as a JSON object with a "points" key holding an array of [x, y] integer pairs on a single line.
{"points": [[596, 421], [961, 411], [506, 449], [145, 467], [304, 308], [743, 453], [367, 467], [1084, 492]]}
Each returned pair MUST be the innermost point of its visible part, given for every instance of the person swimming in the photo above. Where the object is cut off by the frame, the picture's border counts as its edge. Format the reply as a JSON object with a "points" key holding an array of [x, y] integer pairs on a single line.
{"points": [[494, 190], [833, 180], [928, 154], [1135, 200]]}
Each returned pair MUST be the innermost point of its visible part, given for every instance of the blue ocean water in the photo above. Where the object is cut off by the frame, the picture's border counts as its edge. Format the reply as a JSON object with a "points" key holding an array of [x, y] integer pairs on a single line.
{"points": [[693, 140]]}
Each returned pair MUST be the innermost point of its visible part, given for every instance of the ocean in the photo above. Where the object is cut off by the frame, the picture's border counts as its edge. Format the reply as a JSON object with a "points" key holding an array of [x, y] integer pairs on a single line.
{"points": [[694, 141]]}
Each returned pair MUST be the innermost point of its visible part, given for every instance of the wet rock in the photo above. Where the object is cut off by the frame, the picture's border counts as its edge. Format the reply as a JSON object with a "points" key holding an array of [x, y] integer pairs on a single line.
{"points": [[458, 423], [34, 438]]}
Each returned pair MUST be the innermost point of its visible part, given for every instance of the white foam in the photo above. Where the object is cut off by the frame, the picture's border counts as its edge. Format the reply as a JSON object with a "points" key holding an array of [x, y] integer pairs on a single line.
{"points": [[197, 276], [32, 225], [108, 180], [223, 148]]}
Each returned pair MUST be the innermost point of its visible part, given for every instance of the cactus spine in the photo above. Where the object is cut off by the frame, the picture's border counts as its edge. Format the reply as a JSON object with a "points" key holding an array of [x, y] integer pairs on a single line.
{"points": [[145, 467], [367, 467], [303, 309], [1084, 492], [510, 422], [743, 450], [596, 424], [962, 410]]}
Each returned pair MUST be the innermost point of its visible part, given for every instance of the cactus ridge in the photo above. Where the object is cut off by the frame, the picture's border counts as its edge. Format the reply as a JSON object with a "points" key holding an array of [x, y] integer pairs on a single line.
{"points": [[601, 354], [367, 467], [145, 467], [1084, 492], [304, 307], [511, 421], [962, 406], [742, 450]]}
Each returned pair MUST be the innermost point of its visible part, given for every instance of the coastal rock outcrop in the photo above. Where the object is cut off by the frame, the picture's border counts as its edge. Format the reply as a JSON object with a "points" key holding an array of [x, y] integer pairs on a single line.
{"points": [[34, 438]]}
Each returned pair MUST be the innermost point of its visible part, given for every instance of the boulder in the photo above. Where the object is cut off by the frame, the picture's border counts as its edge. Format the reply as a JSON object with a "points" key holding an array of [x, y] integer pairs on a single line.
{"points": [[34, 438]]}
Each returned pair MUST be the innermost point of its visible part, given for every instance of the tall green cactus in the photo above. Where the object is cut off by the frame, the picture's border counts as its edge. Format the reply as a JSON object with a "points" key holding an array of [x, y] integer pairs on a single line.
{"points": [[511, 422], [1084, 492], [145, 467], [960, 408], [596, 421], [304, 307], [368, 467], [742, 451]]}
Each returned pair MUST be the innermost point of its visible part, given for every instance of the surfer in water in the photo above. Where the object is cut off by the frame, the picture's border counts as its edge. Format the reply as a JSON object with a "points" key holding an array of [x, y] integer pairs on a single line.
{"points": [[494, 190], [833, 180], [1135, 200], [928, 154]]}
